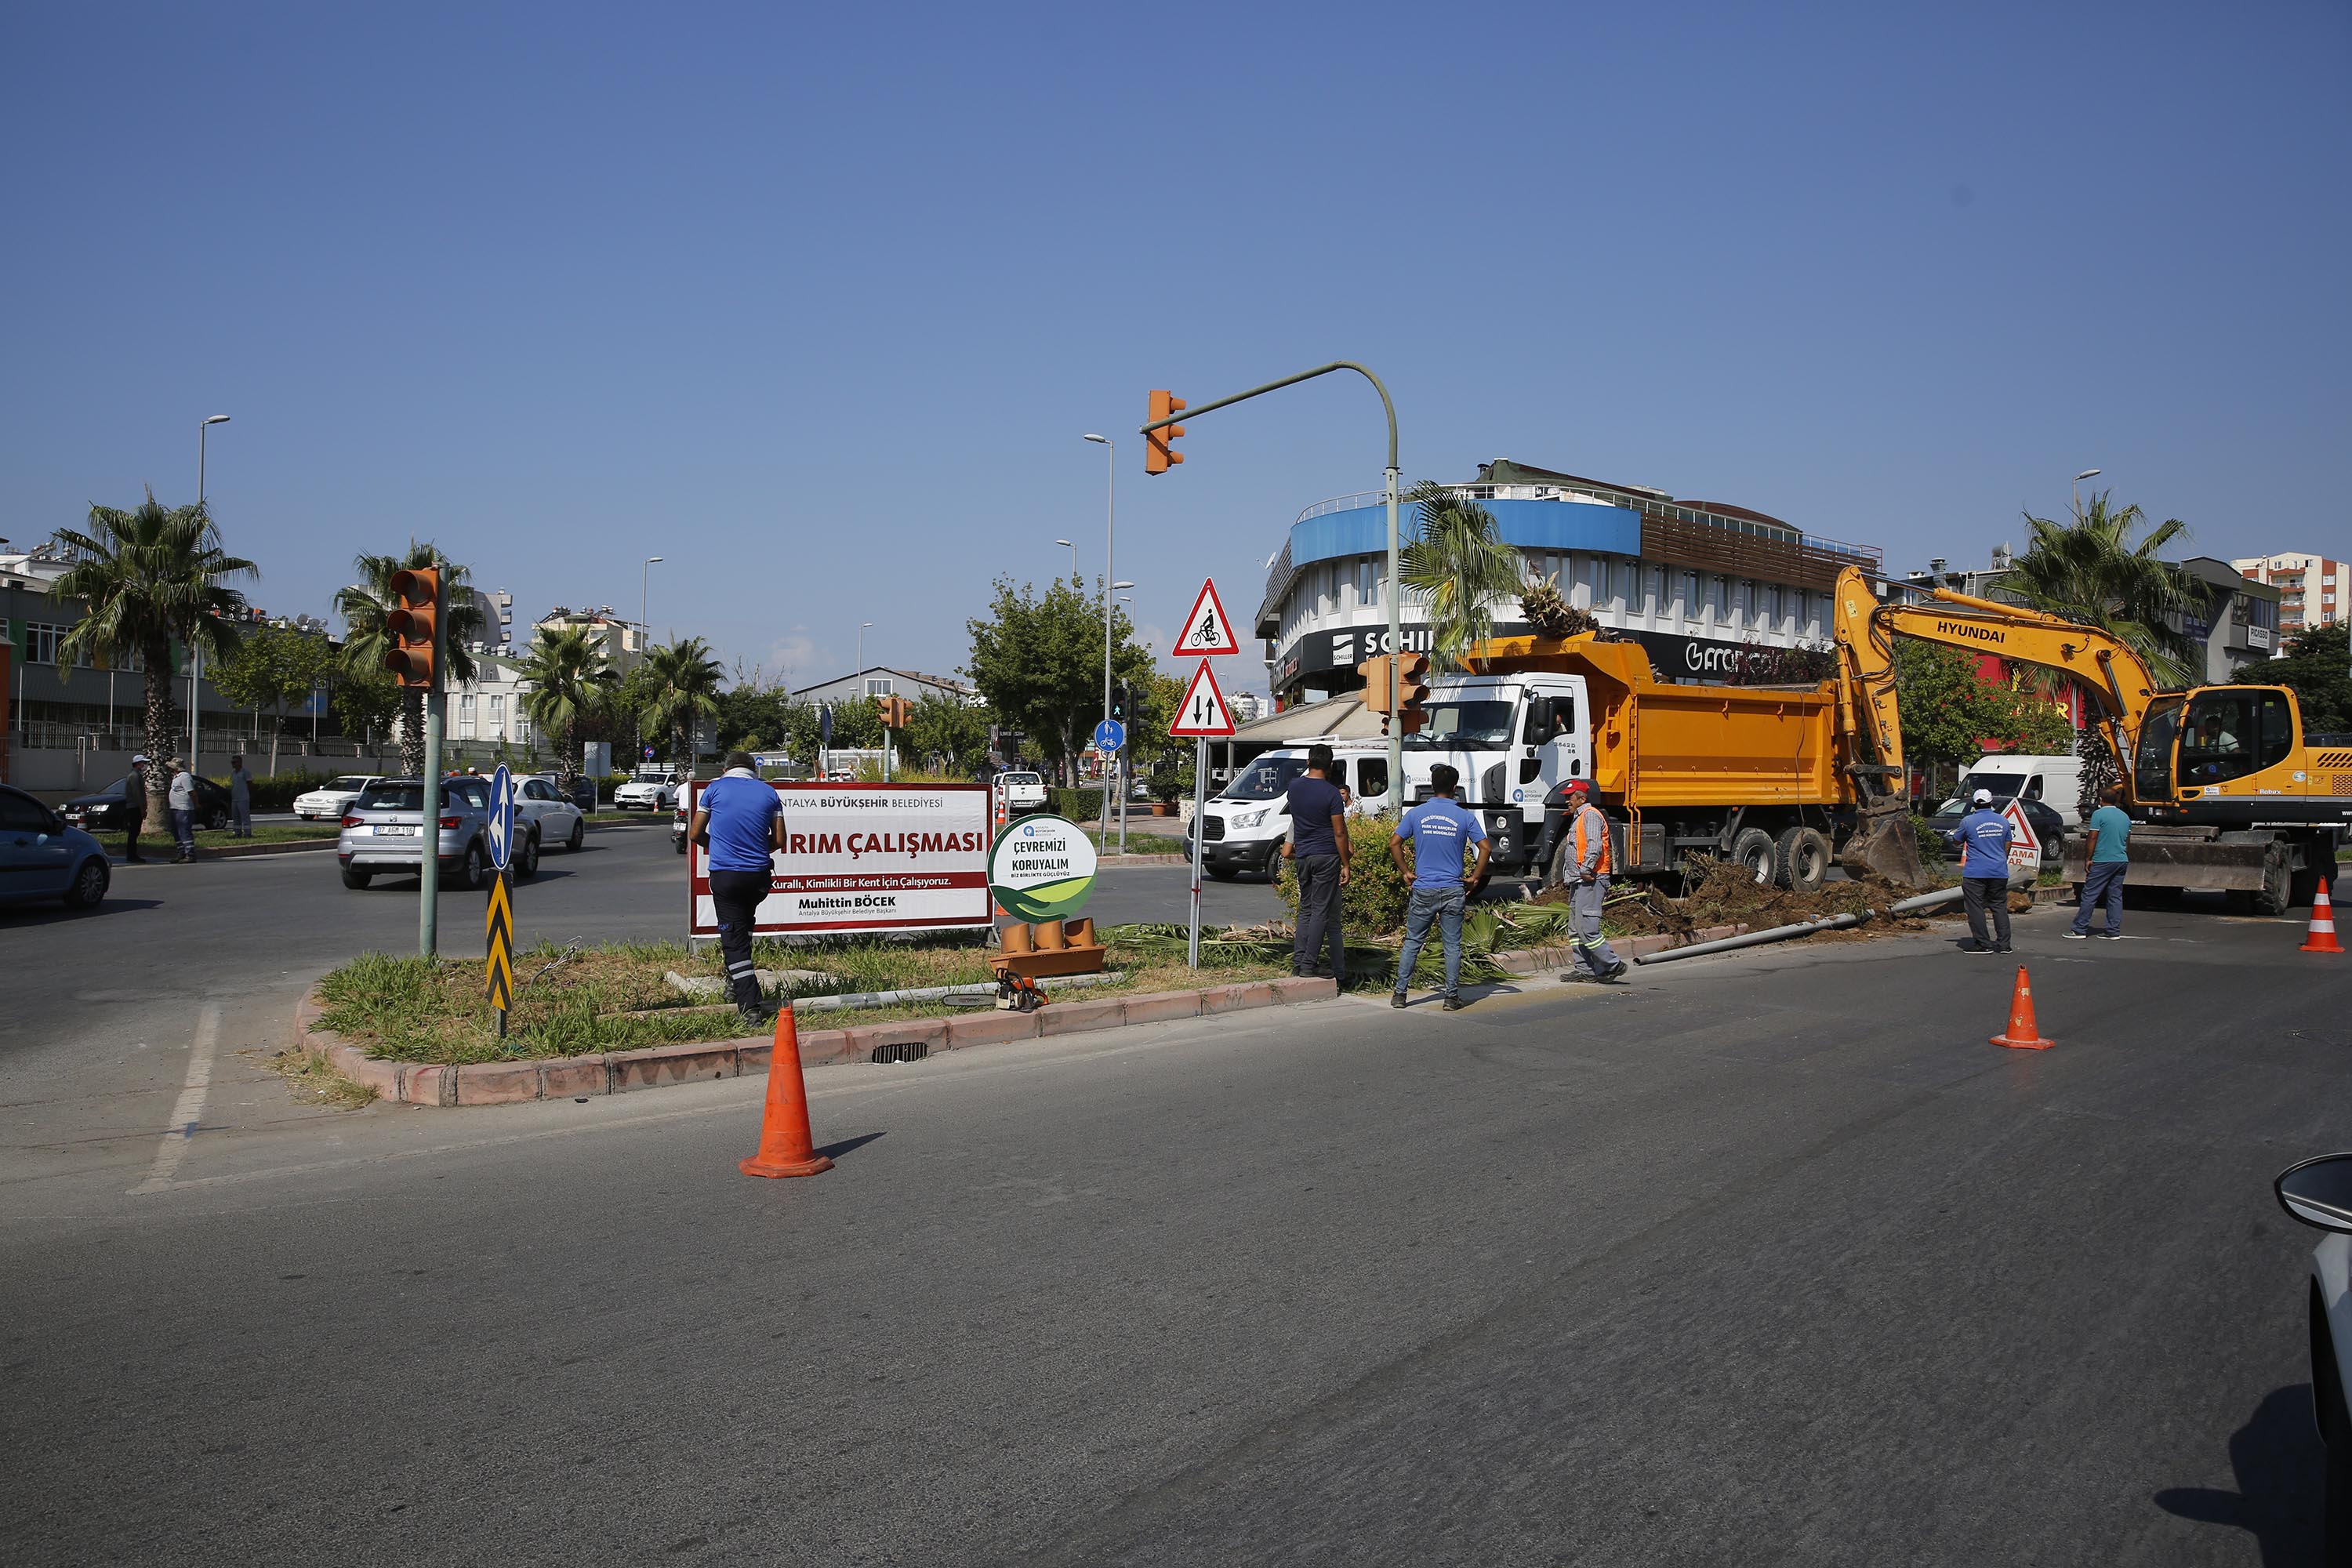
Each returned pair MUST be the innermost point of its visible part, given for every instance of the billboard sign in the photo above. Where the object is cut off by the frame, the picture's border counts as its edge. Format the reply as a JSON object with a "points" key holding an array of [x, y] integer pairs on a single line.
{"points": [[864, 858]]}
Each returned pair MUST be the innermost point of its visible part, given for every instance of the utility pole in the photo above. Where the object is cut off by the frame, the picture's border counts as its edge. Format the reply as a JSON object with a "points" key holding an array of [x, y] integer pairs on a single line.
{"points": [[1110, 580], [195, 648]]}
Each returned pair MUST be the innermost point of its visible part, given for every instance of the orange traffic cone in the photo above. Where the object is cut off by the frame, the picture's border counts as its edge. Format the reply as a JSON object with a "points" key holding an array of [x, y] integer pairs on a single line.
{"points": [[785, 1149], [2021, 1032], [2322, 925]]}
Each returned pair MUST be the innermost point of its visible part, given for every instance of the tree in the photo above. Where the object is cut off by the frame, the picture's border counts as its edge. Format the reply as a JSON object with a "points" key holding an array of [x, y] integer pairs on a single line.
{"points": [[682, 682], [1951, 713], [1038, 660], [1460, 561], [364, 606], [2090, 569], [947, 734], [2315, 668], [143, 580], [271, 668], [566, 669], [366, 702]]}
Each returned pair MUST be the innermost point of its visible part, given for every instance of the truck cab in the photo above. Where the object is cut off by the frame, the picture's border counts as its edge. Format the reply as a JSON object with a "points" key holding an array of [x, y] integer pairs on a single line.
{"points": [[1515, 739], [1242, 826]]}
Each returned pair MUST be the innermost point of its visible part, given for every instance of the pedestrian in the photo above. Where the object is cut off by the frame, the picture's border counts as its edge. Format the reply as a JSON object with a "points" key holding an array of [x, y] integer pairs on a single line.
{"points": [[2106, 861], [1592, 859], [740, 821], [180, 799], [1984, 834], [1439, 831], [134, 810], [1319, 851], [240, 799]]}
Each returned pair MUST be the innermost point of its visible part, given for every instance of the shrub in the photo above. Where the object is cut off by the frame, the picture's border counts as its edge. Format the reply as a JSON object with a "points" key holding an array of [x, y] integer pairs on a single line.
{"points": [[277, 791], [1933, 850], [1080, 804]]}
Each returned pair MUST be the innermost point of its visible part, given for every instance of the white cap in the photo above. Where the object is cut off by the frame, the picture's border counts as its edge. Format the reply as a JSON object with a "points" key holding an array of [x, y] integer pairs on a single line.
{"points": [[1982, 797], [139, 758]]}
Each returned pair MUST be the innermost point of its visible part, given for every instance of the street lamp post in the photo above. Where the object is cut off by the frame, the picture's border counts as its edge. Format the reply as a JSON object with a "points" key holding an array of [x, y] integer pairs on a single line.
{"points": [[196, 649], [1074, 556], [1111, 585], [2085, 474], [646, 631], [862, 628]]}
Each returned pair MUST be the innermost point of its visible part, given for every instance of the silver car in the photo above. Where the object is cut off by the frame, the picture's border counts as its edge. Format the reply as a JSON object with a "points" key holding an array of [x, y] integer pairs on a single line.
{"points": [[380, 834]]}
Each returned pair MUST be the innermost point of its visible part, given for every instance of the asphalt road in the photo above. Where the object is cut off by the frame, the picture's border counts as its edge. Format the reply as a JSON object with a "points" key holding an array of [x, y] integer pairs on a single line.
{"points": [[1770, 1259]]}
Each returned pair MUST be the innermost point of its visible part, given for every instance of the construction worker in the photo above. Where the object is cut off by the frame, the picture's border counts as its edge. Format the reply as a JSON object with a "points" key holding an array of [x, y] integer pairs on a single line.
{"points": [[1588, 839], [741, 822], [1984, 834], [1437, 883], [2106, 861]]}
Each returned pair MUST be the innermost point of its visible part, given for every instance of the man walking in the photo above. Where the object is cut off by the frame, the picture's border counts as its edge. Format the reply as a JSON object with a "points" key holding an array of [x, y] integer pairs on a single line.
{"points": [[240, 799], [2103, 871], [1438, 830], [180, 799], [1984, 834], [1319, 851], [134, 810], [743, 822], [1590, 857]]}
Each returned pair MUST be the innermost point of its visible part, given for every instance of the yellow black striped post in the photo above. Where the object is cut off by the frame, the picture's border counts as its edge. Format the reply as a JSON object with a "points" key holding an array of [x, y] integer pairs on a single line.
{"points": [[500, 966]]}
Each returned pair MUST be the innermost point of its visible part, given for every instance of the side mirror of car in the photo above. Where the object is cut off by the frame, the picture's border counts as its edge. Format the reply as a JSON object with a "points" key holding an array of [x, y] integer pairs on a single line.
{"points": [[2318, 1192]]}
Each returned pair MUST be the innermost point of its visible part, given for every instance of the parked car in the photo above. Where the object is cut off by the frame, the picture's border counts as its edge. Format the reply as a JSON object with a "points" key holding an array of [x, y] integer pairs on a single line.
{"points": [[380, 834], [649, 793], [1022, 791], [333, 797], [540, 807], [42, 855], [2318, 1192], [2048, 826], [101, 811]]}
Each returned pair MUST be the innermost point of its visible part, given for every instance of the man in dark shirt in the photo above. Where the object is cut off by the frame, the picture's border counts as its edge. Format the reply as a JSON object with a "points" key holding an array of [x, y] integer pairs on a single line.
{"points": [[1319, 850]]}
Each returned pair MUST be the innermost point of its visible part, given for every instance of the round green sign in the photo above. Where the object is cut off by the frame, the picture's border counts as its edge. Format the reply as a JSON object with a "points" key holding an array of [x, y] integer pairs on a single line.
{"points": [[1041, 868]]}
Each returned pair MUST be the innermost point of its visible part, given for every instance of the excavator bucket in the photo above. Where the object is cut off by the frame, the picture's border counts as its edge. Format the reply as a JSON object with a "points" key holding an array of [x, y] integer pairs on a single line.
{"points": [[1886, 844]]}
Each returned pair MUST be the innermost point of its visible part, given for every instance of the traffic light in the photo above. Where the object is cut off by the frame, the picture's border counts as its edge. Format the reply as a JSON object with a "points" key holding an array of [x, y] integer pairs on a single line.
{"points": [[1375, 671], [1413, 685], [1160, 452], [416, 592], [1119, 702], [896, 711]]}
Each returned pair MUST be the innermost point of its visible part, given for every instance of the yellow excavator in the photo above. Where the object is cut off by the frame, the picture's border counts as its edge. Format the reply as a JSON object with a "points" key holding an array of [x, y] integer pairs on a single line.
{"points": [[2226, 791]]}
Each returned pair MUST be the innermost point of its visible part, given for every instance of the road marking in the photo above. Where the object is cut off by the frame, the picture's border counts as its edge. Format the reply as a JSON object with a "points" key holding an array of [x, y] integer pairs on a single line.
{"points": [[189, 1107]]}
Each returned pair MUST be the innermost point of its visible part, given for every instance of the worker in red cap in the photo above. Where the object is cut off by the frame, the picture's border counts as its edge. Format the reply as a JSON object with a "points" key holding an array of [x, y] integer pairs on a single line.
{"points": [[1588, 879]]}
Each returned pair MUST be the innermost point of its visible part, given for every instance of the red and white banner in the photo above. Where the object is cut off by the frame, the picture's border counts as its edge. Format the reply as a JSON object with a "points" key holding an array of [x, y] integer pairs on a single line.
{"points": [[865, 858]]}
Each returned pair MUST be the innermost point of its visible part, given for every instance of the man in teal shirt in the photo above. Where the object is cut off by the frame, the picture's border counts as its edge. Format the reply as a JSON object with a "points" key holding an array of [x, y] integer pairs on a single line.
{"points": [[2103, 876]]}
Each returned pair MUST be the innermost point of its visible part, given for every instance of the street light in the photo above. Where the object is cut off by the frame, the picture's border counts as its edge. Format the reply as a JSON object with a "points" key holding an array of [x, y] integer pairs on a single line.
{"points": [[863, 626], [196, 649], [2085, 474], [1111, 576], [646, 630], [1074, 556]]}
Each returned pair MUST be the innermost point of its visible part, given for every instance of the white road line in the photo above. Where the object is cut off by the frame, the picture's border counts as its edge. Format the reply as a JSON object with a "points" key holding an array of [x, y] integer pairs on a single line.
{"points": [[189, 1109]]}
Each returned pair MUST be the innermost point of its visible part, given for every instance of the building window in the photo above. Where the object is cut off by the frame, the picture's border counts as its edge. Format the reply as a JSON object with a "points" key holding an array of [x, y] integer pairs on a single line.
{"points": [[1687, 600], [498, 718], [41, 642], [465, 717], [1621, 585], [878, 686]]}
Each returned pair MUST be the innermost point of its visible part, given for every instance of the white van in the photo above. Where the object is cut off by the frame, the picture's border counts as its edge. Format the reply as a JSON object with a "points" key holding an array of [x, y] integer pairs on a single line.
{"points": [[1244, 826], [2056, 782]]}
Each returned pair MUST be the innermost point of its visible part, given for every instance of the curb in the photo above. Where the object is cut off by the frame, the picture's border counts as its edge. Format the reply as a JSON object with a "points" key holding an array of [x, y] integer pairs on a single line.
{"points": [[655, 1067], [242, 851]]}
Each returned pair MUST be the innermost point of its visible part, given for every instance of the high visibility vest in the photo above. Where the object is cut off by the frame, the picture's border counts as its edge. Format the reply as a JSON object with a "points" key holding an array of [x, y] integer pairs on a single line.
{"points": [[1589, 821]]}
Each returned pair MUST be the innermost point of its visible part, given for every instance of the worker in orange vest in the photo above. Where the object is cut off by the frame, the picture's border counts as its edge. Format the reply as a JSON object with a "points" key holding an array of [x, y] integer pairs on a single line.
{"points": [[1588, 838]]}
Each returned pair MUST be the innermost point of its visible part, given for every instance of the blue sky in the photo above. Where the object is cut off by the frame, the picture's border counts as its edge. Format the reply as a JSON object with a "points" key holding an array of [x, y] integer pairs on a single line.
{"points": [[816, 303]]}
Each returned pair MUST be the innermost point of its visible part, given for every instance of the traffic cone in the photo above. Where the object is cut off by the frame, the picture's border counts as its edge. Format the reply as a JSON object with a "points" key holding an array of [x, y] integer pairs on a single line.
{"points": [[2021, 1033], [2322, 925], [785, 1149]]}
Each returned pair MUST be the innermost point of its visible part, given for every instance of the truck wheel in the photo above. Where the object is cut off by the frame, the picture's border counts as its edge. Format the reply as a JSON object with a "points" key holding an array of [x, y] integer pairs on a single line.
{"points": [[1801, 861], [1754, 852]]}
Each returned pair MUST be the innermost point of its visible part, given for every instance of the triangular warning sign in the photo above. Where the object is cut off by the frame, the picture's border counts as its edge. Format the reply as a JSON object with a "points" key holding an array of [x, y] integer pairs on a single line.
{"points": [[2025, 846], [1203, 709], [1208, 630]]}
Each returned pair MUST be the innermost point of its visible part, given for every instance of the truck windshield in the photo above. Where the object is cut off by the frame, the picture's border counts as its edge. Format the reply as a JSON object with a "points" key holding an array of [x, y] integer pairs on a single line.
{"points": [[1264, 779], [1453, 725]]}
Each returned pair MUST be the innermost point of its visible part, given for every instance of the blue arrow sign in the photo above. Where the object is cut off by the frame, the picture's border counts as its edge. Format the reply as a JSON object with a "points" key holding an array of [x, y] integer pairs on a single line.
{"points": [[501, 829], [1110, 735]]}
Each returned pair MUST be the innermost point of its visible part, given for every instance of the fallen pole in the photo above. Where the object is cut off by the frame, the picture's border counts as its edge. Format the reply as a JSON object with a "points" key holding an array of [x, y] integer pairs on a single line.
{"points": [[1924, 900], [1758, 938]]}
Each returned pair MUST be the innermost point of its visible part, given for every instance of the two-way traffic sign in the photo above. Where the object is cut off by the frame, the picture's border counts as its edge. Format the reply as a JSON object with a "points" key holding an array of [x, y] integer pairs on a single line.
{"points": [[1203, 712]]}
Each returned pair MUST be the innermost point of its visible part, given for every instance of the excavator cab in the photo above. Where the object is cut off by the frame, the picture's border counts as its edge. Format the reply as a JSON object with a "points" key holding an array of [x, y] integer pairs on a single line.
{"points": [[2227, 756]]}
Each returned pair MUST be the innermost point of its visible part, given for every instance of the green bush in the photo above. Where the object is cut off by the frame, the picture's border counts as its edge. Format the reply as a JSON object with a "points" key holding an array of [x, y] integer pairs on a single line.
{"points": [[1077, 804], [1932, 847], [1373, 901]]}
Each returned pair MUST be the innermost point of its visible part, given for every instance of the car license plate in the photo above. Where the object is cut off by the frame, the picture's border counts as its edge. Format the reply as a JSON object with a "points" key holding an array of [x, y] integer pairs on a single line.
{"points": [[397, 830]]}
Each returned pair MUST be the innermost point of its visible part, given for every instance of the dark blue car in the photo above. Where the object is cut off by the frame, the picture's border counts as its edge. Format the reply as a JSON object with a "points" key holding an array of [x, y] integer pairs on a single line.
{"points": [[43, 857]]}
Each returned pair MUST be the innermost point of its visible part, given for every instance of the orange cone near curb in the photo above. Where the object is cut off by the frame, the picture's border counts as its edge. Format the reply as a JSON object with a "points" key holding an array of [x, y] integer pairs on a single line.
{"points": [[2322, 925], [785, 1149], [2021, 1033]]}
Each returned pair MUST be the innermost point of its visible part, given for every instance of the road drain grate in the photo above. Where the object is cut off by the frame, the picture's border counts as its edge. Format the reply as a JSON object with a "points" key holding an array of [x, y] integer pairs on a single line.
{"points": [[901, 1051]]}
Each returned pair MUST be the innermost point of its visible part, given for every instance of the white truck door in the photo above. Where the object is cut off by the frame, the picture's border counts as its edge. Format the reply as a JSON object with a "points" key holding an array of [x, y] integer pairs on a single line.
{"points": [[1554, 744]]}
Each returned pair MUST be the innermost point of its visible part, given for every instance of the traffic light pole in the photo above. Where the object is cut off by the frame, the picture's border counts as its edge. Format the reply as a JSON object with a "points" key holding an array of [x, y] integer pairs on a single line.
{"points": [[429, 820], [1394, 595]]}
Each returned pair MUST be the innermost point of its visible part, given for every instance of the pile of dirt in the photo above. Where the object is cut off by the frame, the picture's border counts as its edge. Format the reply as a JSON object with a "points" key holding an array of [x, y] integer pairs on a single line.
{"points": [[1725, 894]]}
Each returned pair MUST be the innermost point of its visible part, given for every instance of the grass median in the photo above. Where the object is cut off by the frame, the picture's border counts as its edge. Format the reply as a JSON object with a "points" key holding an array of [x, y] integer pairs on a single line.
{"points": [[612, 997]]}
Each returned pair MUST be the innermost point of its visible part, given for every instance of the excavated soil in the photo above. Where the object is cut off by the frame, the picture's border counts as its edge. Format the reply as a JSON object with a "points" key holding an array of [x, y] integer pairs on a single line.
{"points": [[1725, 894]]}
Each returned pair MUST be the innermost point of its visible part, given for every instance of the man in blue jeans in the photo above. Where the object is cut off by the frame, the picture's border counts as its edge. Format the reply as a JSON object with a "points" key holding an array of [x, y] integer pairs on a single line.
{"points": [[2102, 872], [1439, 831]]}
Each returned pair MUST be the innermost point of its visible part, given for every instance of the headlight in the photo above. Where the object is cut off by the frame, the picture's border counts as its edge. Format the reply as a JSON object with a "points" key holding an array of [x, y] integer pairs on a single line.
{"points": [[1251, 818]]}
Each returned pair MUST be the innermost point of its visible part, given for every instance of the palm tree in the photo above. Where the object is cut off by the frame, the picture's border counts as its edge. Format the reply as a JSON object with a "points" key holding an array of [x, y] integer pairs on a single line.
{"points": [[364, 606], [2089, 569], [1460, 561], [682, 685], [144, 580], [567, 672]]}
